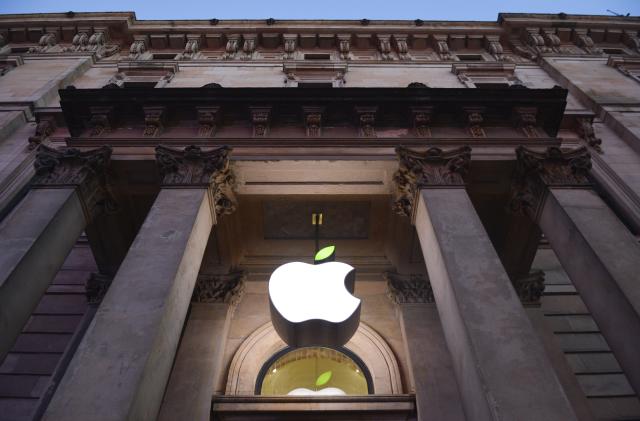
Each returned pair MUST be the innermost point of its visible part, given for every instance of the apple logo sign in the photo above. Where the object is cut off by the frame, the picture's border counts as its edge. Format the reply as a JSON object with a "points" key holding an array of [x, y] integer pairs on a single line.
{"points": [[313, 305]]}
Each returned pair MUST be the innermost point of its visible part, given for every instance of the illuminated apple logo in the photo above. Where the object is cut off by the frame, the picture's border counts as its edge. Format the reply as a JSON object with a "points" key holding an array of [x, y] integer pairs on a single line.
{"points": [[322, 380], [313, 305]]}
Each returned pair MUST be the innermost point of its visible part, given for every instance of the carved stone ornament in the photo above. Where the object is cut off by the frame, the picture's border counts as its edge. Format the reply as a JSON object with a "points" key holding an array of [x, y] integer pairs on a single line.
{"points": [[96, 287], [227, 289], [384, 46], [493, 46], [474, 121], [584, 41], [45, 128], [344, 46], [233, 44], [137, 49], [191, 49], [421, 117], [408, 289], [536, 171], [194, 167], [153, 121], [366, 121], [525, 118], [313, 120], [530, 288], [101, 120], [290, 45], [207, 121], [249, 46], [260, 118], [432, 168], [535, 40], [402, 47], [442, 47], [631, 40], [586, 132], [69, 167], [48, 43]]}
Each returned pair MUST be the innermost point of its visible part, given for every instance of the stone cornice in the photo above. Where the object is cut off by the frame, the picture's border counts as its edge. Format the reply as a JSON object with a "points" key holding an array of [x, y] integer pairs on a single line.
{"points": [[434, 168]]}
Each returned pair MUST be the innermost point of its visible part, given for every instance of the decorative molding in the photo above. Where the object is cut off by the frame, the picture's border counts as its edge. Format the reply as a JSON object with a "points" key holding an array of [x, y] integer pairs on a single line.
{"points": [[474, 121], [207, 120], [530, 288], [154, 117], [432, 168], [408, 289], [525, 119], [421, 118], [366, 121], [584, 127], [537, 171], [96, 288], [45, 128], [313, 120], [260, 119], [101, 120], [227, 289]]}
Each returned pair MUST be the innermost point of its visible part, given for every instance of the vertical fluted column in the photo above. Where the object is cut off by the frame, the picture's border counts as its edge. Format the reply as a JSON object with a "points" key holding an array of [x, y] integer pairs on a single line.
{"points": [[596, 250], [500, 365], [36, 237], [122, 365]]}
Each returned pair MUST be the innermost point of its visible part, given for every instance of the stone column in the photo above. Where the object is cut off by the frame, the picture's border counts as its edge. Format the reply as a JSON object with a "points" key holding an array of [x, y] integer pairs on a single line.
{"points": [[502, 370], [122, 365], [435, 387], [36, 237], [596, 250], [198, 366]]}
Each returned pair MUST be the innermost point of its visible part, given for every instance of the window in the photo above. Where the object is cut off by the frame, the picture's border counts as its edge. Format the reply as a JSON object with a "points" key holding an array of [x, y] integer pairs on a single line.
{"points": [[317, 56], [314, 371], [470, 57], [164, 56]]}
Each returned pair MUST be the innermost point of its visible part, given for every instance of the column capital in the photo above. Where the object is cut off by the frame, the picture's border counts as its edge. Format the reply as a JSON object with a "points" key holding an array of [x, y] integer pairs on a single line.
{"points": [[193, 167], [71, 168], [227, 288], [537, 171], [434, 168], [408, 289]]}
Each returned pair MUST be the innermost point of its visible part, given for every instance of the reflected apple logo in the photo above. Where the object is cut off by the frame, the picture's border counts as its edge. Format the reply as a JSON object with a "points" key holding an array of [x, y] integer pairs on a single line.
{"points": [[313, 305]]}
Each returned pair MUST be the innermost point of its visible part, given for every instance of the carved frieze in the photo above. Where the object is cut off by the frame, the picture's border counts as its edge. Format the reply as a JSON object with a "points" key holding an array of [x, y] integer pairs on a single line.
{"points": [[536, 171], [101, 120], [367, 121], [408, 289], [585, 131], [154, 117], [421, 118], [530, 288], [207, 121], [474, 121], [260, 119], [432, 168], [96, 288], [45, 128], [313, 120], [525, 118], [227, 289]]}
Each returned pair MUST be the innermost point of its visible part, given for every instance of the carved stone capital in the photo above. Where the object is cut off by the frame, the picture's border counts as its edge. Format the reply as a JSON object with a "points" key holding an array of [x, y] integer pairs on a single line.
{"points": [[101, 120], [207, 120], [367, 121], [408, 289], [430, 169], [530, 288], [537, 171], [313, 120], [421, 119], [86, 171], [227, 289], [96, 287], [153, 121], [45, 128], [525, 119], [585, 130], [261, 119]]}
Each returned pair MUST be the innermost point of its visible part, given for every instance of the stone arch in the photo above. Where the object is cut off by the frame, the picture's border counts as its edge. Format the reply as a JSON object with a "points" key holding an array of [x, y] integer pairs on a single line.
{"points": [[264, 342]]}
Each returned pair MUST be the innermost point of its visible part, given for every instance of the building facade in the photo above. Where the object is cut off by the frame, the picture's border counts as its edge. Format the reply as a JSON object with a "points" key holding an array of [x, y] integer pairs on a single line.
{"points": [[482, 178]]}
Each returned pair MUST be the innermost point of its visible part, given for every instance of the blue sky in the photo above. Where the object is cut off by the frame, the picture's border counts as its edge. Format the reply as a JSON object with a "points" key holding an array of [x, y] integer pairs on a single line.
{"points": [[324, 9]]}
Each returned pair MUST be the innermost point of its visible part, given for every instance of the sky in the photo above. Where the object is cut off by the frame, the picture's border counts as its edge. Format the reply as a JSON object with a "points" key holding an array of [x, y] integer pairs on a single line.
{"points": [[486, 10]]}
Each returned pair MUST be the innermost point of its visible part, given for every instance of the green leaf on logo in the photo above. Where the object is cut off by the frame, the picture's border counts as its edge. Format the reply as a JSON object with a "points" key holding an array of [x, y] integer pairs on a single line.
{"points": [[323, 378], [324, 253]]}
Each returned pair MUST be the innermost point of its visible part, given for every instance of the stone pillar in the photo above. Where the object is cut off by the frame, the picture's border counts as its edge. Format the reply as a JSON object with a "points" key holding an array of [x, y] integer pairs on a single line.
{"points": [[435, 387], [122, 365], [502, 370], [198, 365], [596, 250], [36, 237]]}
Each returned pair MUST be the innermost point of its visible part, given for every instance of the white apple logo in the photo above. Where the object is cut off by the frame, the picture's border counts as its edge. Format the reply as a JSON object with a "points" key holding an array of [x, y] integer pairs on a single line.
{"points": [[313, 305]]}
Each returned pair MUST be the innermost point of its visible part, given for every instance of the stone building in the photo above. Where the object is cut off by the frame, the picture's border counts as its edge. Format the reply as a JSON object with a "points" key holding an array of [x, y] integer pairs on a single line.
{"points": [[483, 179]]}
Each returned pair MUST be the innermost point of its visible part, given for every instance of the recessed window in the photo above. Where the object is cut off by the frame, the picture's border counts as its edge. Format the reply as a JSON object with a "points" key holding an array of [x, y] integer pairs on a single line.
{"points": [[164, 56], [613, 51], [470, 57], [314, 371], [315, 85], [317, 56]]}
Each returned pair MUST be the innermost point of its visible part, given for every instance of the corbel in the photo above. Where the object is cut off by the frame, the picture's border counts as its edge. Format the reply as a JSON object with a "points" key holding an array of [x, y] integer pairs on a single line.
{"points": [[384, 47], [530, 288], [249, 45], [45, 128], [366, 121], [525, 119], [535, 41], [313, 120], [191, 48], [474, 121], [290, 45], [551, 39], [344, 46], [260, 119], [493, 46], [584, 128], [233, 44], [584, 41], [207, 121], [101, 120], [631, 40], [421, 119], [138, 46], [441, 46], [402, 47], [46, 43], [154, 117]]}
